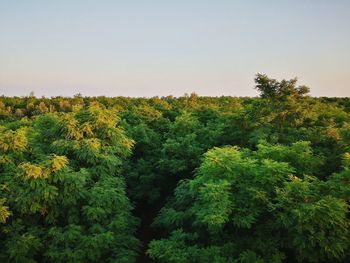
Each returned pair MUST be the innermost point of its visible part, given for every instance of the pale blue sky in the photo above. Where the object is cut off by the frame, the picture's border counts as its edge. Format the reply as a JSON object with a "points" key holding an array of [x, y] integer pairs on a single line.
{"points": [[148, 48]]}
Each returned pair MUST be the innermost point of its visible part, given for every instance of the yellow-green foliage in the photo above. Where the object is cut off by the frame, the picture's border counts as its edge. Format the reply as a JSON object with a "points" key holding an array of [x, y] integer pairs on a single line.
{"points": [[13, 140], [58, 162], [4, 211], [71, 127], [64, 189], [33, 171], [346, 160], [93, 144], [101, 118]]}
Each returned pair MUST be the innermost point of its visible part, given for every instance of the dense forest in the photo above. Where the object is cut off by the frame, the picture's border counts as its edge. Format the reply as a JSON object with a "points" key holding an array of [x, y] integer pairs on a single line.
{"points": [[187, 179]]}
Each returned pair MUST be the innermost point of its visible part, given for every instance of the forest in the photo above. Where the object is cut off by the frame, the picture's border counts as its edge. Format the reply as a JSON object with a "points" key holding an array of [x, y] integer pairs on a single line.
{"points": [[176, 179]]}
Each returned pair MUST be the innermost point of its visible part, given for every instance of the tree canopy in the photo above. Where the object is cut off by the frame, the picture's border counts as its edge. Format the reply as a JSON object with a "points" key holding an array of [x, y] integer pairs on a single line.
{"points": [[166, 179]]}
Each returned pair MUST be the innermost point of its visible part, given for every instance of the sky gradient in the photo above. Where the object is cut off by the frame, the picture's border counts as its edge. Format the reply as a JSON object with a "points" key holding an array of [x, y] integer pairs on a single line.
{"points": [[159, 48]]}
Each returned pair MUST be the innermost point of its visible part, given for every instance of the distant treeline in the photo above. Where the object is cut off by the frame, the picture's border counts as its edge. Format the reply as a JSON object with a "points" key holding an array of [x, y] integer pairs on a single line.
{"points": [[187, 179]]}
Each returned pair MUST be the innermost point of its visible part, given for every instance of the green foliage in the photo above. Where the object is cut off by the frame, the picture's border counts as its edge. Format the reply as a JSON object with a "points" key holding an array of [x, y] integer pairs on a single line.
{"points": [[255, 200], [272, 89], [316, 224], [67, 198], [212, 179]]}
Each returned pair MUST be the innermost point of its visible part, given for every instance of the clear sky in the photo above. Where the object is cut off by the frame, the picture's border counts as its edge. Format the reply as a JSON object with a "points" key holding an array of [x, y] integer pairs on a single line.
{"points": [[149, 48]]}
